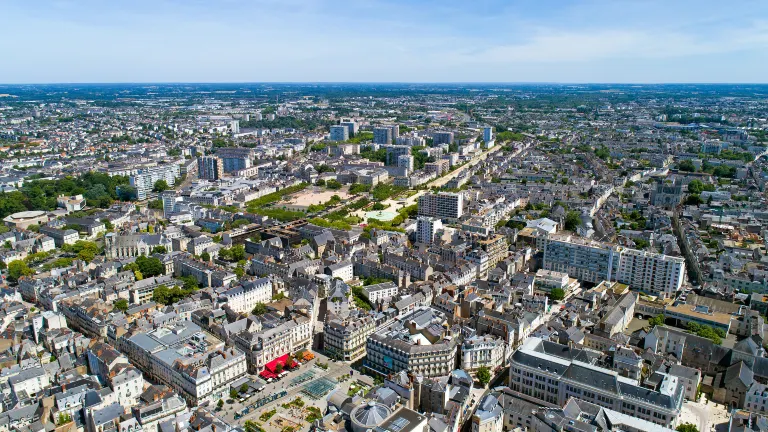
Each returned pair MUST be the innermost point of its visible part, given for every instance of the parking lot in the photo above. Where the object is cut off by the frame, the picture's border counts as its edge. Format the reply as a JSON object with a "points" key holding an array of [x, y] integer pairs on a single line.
{"points": [[294, 384]]}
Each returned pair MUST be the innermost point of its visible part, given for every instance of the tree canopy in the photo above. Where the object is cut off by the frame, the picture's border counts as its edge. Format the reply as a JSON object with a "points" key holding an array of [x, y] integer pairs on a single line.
{"points": [[572, 220], [85, 250], [99, 190], [656, 321], [150, 266], [18, 269], [557, 294], [168, 296], [260, 309], [483, 375], [687, 427], [160, 186], [120, 305]]}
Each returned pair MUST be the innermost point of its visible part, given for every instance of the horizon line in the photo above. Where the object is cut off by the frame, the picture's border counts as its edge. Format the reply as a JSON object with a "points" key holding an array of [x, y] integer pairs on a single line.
{"points": [[383, 82]]}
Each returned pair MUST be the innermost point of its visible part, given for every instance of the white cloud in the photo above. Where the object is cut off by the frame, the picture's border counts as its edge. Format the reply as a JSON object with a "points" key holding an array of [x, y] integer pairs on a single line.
{"points": [[557, 46]]}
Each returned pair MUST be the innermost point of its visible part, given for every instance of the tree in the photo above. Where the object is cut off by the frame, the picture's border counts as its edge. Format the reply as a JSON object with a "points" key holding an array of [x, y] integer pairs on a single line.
{"points": [[159, 250], [17, 269], [160, 185], [243, 388], [150, 266], [693, 199], [85, 250], [120, 305], [260, 309], [237, 252], [695, 186], [557, 294], [483, 375], [357, 188], [687, 427], [239, 272], [252, 426], [86, 255], [572, 220], [126, 193], [190, 283], [131, 267], [686, 165], [658, 320], [64, 418], [603, 153], [514, 224], [233, 393], [205, 256], [219, 404], [333, 184], [279, 368]]}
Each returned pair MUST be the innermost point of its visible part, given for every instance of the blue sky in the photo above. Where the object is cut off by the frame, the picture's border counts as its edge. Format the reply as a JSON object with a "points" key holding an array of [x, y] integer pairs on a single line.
{"points": [[642, 41]]}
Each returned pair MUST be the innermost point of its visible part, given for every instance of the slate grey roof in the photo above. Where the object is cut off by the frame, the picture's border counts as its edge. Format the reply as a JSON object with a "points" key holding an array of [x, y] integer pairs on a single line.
{"points": [[738, 373], [683, 371]]}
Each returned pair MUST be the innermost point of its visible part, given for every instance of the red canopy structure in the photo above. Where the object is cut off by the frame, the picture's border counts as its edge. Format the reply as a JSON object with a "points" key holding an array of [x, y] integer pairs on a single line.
{"points": [[267, 374], [270, 369]]}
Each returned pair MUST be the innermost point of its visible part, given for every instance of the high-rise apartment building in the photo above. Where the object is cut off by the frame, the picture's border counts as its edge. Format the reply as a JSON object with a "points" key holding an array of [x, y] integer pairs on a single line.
{"points": [[442, 138], [405, 161], [144, 180], [487, 134], [589, 261], [382, 135], [426, 229], [169, 198], [443, 205], [235, 158], [395, 131], [210, 167], [351, 126], [394, 152], [339, 133]]}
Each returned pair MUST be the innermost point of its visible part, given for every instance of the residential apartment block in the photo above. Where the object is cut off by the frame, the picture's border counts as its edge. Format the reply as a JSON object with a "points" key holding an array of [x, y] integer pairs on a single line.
{"points": [[210, 167], [144, 180], [339, 133], [443, 205], [589, 261]]}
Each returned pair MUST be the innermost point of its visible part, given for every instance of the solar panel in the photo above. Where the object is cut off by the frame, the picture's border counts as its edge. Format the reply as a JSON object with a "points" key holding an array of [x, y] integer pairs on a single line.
{"points": [[398, 424]]}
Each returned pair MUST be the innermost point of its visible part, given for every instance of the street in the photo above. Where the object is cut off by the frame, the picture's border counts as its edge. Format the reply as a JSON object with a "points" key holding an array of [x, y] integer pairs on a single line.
{"points": [[394, 205]]}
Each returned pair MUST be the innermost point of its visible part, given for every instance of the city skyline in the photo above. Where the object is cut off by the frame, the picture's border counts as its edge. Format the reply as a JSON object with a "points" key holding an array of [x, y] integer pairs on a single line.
{"points": [[381, 42]]}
